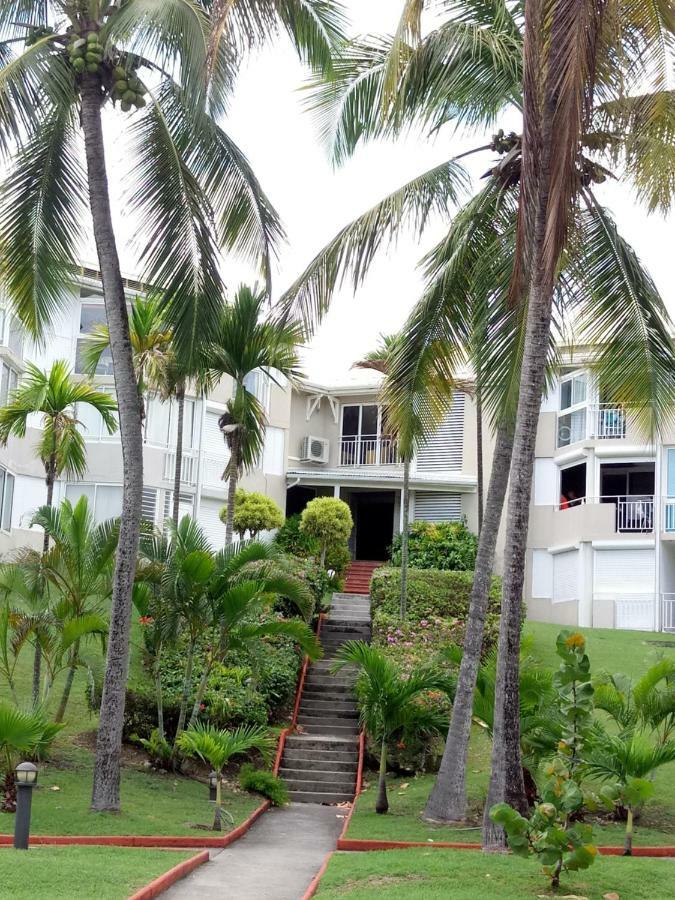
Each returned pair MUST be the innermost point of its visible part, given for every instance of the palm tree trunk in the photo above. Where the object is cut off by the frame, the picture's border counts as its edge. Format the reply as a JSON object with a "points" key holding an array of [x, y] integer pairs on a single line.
{"points": [[628, 839], [447, 801], [159, 697], [506, 782], [217, 817], [480, 478], [405, 535], [232, 491], [68, 686], [180, 401], [187, 687], [382, 803], [37, 657], [106, 787], [201, 690]]}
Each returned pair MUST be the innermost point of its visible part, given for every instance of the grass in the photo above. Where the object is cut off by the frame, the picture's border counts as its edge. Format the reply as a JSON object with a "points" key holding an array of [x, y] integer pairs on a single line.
{"points": [[67, 872], [627, 651], [422, 874], [152, 803]]}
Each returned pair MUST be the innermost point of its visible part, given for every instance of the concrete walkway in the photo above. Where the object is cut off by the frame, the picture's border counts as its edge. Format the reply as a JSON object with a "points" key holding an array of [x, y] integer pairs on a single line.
{"points": [[275, 860]]}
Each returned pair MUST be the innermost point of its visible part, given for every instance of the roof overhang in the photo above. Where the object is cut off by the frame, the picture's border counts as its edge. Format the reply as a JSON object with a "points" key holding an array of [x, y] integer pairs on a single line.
{"points": [[382, 478]]}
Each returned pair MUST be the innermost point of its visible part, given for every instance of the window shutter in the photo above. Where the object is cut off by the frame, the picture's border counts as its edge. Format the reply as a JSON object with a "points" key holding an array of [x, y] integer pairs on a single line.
{"points": [[443, 450], [437, 506], [566, 576]]}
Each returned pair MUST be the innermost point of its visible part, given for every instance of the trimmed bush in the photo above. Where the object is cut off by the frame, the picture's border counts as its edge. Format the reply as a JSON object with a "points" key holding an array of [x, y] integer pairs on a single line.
{"points": [[253, 512], [260, 781], [431, 593], [446, 545], [329, 521]]}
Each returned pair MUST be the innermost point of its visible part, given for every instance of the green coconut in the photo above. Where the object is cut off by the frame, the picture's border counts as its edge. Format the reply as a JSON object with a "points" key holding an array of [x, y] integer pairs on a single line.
{"points": [[129, 96], [139, 102], [92, 68], [119, 73], [126, 106], [122, 86], [93, 57], [78, 65], [92, 37], [77, 53]]}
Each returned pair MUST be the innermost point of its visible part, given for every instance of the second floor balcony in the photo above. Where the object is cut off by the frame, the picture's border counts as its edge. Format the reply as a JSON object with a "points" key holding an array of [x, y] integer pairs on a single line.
{"points": [[369, 450], [633, 513], [599, 421]]}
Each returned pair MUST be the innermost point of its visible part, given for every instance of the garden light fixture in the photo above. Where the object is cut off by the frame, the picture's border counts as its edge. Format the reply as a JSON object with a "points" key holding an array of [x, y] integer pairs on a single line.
{"points": [[26, 779]]}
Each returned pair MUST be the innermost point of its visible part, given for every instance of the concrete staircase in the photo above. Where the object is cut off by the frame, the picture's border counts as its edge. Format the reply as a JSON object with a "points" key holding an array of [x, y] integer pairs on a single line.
{"points": [[320, 761], [358, 577]]}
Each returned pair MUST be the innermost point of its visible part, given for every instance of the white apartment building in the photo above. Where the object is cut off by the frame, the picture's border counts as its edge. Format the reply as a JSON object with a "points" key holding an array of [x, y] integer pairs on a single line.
{"points": [[603, 556]]}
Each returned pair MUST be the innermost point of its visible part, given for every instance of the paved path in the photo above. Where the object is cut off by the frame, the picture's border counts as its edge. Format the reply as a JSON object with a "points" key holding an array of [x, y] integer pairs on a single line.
{"points": [[275, 860]]}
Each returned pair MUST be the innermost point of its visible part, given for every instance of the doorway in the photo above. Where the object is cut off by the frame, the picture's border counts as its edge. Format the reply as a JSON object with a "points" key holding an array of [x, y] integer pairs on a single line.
{"points": [[373, 513]]}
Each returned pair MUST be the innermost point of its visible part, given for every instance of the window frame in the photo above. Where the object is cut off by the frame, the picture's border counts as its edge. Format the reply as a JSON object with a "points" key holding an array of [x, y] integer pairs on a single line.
{"points": [[6, 475]]}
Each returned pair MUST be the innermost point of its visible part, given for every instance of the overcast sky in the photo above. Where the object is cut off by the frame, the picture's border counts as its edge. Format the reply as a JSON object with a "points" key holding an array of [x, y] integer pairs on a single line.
{"points": [[315, 200]]}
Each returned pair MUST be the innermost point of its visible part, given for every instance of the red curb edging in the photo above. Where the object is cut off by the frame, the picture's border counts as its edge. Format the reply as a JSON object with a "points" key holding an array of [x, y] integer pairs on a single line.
{"points": [[362, 845], [357, 791], [314, 883], [164, 882]]}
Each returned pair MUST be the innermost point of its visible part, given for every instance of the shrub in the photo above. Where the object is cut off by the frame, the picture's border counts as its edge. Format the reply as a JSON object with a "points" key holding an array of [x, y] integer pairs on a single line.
{"points": [[329, 521], [317, 578], [431, 593], [254, 512], [292, 540], [446, 545], [231, 699], [260, 781]]}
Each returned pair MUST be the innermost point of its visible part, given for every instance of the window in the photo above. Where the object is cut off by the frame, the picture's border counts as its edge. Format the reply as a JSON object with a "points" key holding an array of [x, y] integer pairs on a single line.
{"points": [[9, 380], [162, 422], [91, 424], [6, 499], [104, 499], [186, 505], [258, 384], [573, 412], [273, 453], [149, 505], [92, 315]]}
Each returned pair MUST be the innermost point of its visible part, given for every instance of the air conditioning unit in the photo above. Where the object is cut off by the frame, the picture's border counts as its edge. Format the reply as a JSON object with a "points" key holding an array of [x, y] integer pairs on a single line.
{"points": [[314, 449]]}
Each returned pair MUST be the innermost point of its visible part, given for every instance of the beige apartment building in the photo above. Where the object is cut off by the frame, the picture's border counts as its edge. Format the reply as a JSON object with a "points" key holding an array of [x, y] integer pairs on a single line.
{"points": [[602, 532]]}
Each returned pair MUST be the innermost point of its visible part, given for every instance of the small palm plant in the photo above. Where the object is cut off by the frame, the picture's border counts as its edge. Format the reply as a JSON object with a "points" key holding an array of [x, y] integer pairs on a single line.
{"points": [[217, 747], [20, 733], [390, 704], [627, 762]]}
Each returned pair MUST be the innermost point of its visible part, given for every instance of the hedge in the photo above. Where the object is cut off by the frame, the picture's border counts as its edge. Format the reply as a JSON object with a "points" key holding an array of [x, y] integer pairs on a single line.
{"points": [[431, 592]]}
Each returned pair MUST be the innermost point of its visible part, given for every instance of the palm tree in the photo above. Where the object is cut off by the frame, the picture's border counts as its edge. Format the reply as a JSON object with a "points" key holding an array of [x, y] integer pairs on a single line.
{"points": [[192, 192], [217, 747], [469, 70], [412, 414], [627, 762], [24, 733], [79, 570], [390, 704], [56, 396], [246, 342]]}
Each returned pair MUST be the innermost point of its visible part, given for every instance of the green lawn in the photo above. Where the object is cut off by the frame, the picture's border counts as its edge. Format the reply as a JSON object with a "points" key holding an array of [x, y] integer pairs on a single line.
{"points": [[615, 651], [65, 872], [467, 875], [152, 803]]}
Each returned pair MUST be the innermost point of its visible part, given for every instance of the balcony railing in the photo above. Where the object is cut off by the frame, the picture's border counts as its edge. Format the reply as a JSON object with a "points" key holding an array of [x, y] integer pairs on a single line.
{"points": [[668, 612], [369, 450], [607, 421], [599, 421], [669, 514], [633, 514], [188, 469]]}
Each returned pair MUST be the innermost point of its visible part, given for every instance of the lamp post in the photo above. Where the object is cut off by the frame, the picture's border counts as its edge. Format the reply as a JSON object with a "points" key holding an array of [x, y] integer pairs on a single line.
{"points": [[213, 786], [26, 779]]}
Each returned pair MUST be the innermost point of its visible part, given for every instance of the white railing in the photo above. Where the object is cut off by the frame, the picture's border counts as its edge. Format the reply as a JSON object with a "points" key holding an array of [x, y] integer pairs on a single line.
{"points": [[375, 450], [635, 613], [188, 469], [634, 514], [669, 514], [607, 421], [668, 612]]}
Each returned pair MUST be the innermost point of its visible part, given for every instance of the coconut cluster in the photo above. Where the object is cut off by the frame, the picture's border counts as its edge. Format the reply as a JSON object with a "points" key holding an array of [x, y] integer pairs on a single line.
{"points": [[128, 88], [86, 54]]}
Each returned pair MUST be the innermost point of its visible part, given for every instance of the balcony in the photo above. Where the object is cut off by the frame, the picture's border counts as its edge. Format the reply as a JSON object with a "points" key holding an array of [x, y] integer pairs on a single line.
{"points": [[189, 467], [633, 514], [369, 450], [668, 612], [600, 421]]}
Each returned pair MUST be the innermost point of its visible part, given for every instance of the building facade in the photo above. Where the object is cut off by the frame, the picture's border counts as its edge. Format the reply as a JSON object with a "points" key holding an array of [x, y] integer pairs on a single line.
{"points": [[601, 550]]}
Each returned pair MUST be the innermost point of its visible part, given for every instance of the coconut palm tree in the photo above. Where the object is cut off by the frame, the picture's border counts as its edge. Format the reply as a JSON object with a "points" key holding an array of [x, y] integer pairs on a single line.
{"points": [[246, 342], [55, 396], [217, 747], [389, 704], [191, 192], [468, 70]]}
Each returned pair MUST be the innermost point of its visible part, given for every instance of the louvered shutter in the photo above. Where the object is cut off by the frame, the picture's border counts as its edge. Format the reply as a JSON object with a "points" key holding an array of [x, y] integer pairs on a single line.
{"points": [[209, 519], [149, 505], [566, 576], [624, 572], [443, 450], [437, 506]]}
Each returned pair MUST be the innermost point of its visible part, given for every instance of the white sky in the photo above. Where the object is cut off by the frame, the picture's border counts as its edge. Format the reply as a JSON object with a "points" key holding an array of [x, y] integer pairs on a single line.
{"points": [[315, 201]]}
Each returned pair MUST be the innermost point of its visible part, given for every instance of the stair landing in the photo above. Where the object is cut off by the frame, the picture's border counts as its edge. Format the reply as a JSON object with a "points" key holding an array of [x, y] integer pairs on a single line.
{"points": [[358, 576]]}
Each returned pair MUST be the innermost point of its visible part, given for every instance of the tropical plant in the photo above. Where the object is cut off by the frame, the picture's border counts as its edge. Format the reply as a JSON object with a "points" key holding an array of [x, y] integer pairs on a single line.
{"points": [[25, 733], [560, 843], [390, 705], [192, 192], [219, 600], [218, 747], [329, 521], [245, 342], [253, 513], [648, 702], [468, 70], [260, 781]]}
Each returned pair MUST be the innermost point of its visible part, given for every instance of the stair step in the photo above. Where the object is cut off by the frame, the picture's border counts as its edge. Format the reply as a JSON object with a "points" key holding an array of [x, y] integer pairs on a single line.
{"points": [[329, 683], [320, 797], [332, 742], [323, 785], [328, 711], [321, 761], [346, 777], [326, 729], [329, 699]]}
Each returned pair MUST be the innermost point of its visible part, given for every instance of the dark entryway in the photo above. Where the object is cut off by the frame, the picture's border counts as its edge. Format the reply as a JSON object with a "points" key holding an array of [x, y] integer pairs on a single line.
{"points": [[373, 513]]}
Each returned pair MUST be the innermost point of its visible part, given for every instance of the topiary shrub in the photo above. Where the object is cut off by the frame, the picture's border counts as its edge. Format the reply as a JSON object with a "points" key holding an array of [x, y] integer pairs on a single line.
{"points": [[329, 521], [260, 781], [253, 512], [445, 545]]}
